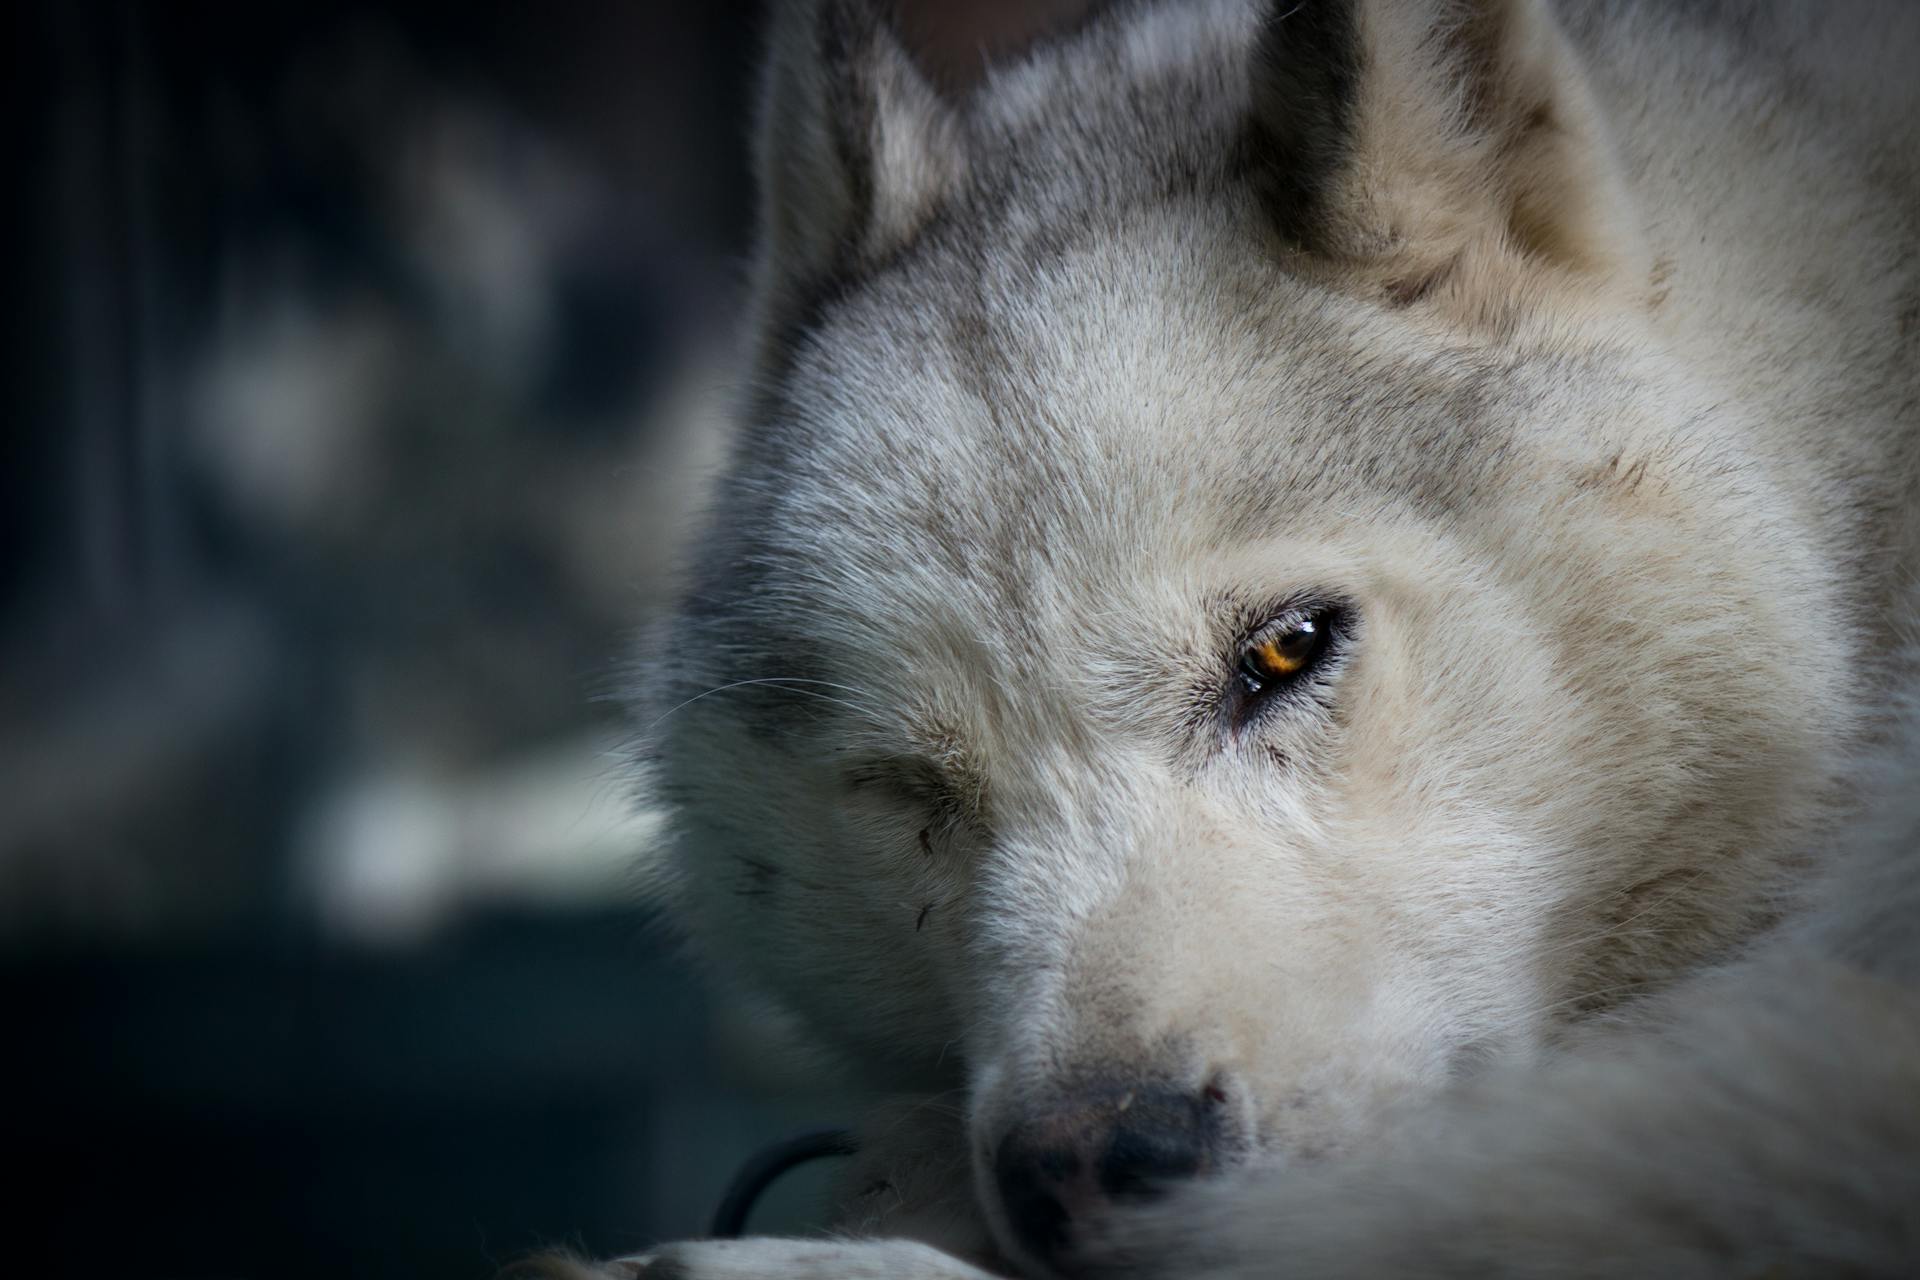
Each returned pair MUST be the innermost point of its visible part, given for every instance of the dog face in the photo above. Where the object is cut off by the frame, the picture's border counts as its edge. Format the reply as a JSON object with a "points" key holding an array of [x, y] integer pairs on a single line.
{"points": [[1202, 686]]}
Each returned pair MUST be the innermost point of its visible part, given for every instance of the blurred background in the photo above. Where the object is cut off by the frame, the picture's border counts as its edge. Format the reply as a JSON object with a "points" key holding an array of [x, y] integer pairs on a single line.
{"points": [[356, 368]]}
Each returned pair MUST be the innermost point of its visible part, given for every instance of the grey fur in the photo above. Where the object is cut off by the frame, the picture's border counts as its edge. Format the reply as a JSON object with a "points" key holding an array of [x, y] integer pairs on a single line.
{"points": [[1572, 351]]}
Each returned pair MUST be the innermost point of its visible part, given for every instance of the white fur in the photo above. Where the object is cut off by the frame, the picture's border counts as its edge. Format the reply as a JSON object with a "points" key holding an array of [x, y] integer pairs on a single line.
{"points": [[1589, 388]]}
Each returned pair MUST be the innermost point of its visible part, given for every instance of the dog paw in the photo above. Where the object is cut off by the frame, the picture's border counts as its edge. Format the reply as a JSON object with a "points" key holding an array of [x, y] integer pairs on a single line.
{"points": [[769, 1258]]}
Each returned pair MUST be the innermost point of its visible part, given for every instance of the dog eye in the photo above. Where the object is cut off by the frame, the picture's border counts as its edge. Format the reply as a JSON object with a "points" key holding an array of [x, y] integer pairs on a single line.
{"points": [[1285, 650]]}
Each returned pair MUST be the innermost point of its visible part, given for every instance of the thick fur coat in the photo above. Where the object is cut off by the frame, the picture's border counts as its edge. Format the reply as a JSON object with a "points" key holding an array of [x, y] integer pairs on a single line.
{"points": [[1302, 593]]}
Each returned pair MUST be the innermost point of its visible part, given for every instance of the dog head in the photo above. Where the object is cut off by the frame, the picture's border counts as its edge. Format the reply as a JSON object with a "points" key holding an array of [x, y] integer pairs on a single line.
{"points": [[1222, 616]]}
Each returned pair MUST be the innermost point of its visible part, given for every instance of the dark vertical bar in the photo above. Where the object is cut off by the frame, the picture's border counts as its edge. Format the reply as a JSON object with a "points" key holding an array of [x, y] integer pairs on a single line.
{"points": [[88, 222], [154, 335]]}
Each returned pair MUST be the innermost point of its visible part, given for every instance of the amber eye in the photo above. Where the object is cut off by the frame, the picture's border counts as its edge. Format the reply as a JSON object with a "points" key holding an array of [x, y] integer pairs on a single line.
{"points": [[1284, 651]]}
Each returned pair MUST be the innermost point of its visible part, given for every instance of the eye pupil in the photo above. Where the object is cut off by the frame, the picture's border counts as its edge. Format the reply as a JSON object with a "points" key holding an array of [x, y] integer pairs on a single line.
{"points": [[1285, 653], [1298, 643]]}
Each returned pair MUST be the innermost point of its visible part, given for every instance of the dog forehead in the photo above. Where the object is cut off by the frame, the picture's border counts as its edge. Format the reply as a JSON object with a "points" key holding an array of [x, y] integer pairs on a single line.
{"points": [[1154, 389]]}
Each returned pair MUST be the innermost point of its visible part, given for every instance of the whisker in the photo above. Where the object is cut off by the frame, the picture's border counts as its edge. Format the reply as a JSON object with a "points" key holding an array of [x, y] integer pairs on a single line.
{"points": [[1619, 930], [1581, 998], [786, 682]]}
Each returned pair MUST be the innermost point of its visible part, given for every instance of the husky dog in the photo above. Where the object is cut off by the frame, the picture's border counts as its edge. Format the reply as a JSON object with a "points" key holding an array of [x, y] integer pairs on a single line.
{"points": [[1302, 591]]}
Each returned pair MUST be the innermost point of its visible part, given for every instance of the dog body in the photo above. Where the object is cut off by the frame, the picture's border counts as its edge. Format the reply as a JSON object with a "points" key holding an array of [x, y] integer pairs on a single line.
{"points": [[1300, 594]]}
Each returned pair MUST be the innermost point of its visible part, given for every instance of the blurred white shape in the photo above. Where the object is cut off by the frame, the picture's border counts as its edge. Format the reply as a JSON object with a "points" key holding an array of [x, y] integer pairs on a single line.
{"points": [[290, 401], [391, 858], [487, 210]]}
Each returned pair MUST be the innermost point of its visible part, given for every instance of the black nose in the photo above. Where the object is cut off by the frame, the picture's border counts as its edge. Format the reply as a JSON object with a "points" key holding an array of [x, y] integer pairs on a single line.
{"points": [[1068, 1167]]}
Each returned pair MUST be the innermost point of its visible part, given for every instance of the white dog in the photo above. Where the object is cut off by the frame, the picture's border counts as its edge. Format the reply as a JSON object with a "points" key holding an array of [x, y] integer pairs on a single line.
{"points": [[1302, 588]]}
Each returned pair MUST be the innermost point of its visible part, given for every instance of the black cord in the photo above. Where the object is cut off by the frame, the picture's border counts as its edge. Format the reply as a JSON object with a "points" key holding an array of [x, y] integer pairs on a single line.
{"points": [[758, 1173]]}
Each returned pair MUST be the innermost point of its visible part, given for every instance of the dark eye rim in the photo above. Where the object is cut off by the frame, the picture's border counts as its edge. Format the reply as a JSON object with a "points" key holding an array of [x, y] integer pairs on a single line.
{"points": [[1251, 692]]}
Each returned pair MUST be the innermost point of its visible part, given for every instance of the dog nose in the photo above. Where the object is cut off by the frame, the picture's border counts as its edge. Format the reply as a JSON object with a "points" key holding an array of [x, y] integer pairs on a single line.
{"points": [[1069, 1166]]}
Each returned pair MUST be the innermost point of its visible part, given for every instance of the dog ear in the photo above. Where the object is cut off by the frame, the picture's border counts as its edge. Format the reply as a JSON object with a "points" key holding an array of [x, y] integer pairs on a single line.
{"points": [[1444, 149], [853, 147]]}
